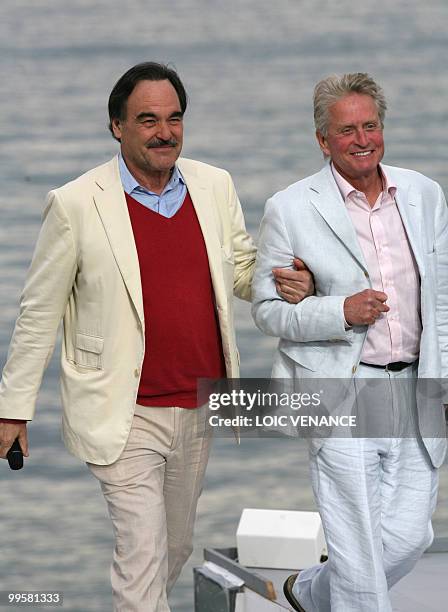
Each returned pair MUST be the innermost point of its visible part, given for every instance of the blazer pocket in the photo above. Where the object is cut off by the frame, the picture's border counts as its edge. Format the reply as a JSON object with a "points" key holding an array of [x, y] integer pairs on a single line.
{"points": [[88, 351], [309, 357]]}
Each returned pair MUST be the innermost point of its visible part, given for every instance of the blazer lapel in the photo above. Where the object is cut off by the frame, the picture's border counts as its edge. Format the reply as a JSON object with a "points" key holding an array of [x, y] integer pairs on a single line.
{"points": [[326, 198], [406, 201], [111, 204], [202, 197]]}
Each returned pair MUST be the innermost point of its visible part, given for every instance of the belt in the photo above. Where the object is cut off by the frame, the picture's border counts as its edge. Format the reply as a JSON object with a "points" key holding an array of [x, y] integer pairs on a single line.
{"points": [[396, 366]]}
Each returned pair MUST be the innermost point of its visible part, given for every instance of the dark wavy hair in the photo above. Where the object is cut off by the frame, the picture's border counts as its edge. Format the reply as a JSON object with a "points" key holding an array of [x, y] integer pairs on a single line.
{"points": [[146, 71]]}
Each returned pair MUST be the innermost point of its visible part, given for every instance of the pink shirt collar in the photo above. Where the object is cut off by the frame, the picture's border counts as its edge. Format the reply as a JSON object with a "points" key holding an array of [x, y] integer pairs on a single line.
{"points": [[347, 189]]}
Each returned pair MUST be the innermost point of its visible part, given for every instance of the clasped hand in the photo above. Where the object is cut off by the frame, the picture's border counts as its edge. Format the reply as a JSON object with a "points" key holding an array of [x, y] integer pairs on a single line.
{"points": [[294, 285]]}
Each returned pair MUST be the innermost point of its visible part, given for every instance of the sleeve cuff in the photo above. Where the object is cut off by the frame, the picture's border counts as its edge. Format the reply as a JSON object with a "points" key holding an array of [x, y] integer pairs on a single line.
{"points": [[13, 421]]}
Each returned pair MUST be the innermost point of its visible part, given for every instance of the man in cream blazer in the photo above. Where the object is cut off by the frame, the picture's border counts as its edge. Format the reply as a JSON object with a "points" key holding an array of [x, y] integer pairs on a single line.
{"points": [[375, 238], [141, 258]]}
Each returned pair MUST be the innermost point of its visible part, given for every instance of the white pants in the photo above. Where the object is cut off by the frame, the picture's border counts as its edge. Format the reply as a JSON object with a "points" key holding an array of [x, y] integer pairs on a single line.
{"points": [[151, 493], [376, 497]]}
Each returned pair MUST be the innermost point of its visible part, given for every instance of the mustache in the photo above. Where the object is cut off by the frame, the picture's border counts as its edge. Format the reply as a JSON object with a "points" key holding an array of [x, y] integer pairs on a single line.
{"points": [[158, 142]]}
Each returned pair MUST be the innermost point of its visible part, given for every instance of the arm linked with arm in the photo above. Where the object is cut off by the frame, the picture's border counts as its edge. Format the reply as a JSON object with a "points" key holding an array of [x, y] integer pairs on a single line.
{"points": [[314, 318], [42, 305]]}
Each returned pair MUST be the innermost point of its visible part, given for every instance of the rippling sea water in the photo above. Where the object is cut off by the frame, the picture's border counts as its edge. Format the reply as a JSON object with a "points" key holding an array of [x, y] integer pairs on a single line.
{"points": [[249, 67]]}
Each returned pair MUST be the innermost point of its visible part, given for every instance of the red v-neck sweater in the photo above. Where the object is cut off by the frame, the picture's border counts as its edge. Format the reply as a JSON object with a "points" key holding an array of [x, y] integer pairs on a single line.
{"points": [[182, 336]]}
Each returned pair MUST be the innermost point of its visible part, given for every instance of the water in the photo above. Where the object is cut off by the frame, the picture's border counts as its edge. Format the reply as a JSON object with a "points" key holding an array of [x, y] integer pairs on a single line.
{"points": [[249, 68]]}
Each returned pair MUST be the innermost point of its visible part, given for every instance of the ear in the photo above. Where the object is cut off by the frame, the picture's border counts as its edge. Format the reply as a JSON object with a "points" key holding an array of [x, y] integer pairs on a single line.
{"points": [[323, 143], [116, 128]]}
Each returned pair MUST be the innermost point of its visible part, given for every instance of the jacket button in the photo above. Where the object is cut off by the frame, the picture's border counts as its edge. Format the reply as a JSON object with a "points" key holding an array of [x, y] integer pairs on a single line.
{"points": [[136, 372], [354, 368], [366, 274]]}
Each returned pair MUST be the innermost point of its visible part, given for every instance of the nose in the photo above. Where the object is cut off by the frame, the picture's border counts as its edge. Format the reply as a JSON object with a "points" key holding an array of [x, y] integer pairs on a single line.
{"points": [[362, 138], [164, 132]]}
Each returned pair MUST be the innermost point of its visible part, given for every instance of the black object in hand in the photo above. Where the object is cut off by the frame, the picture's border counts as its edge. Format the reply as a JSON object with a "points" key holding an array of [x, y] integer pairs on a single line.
{"points": [[15, 456]]}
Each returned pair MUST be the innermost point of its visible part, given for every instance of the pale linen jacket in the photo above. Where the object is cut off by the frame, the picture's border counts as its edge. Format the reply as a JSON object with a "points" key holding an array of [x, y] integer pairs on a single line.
{"points": [[85, 270], [309, 220]]}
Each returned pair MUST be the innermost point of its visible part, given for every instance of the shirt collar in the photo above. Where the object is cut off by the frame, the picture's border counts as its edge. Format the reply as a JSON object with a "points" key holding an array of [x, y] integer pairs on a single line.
{"points": [[347, 189], [130, 183]]}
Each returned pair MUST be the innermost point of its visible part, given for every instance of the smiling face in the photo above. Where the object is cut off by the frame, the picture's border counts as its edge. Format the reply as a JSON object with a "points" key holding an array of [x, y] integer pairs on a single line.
{"points": [[151, 133], [354, 139]]}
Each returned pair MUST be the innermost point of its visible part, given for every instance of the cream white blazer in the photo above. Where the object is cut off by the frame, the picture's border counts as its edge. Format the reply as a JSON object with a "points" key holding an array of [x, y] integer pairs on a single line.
{"points": [[85, 270], [309, 220]]}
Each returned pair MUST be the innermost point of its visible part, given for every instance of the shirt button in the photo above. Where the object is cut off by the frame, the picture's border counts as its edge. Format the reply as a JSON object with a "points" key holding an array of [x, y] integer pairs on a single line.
{"points": [[136, 372], [366, 274], [354, 368]]}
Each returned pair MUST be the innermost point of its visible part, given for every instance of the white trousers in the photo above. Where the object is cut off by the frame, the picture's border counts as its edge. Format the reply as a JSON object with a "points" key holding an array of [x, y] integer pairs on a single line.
{"points": [[151, 493], [375, 497]]}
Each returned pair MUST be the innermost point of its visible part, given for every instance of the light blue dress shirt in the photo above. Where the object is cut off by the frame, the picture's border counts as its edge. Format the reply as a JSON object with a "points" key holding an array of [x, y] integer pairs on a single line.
{"points": [[167, 203]]}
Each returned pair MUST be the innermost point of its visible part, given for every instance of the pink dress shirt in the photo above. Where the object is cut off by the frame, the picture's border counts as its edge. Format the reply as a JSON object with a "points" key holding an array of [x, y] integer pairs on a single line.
{"points": [[395, 335]]}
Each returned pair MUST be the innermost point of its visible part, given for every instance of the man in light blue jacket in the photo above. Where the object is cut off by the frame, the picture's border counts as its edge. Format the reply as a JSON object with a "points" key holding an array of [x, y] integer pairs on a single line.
{"points": [[375, 238]]}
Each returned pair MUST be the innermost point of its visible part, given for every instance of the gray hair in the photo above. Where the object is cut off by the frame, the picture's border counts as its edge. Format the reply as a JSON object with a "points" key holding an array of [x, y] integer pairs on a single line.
{"points": [[333, 88]]}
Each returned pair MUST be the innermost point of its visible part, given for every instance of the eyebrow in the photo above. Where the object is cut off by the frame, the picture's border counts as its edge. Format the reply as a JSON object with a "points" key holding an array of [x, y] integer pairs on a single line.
{"points": [[353, 125], [175, 115]]}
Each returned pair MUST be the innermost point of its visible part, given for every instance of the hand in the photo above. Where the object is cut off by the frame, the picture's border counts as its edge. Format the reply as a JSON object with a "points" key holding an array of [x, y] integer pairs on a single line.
{"points": [[365, 307], [294, 285], [8, 433]]}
